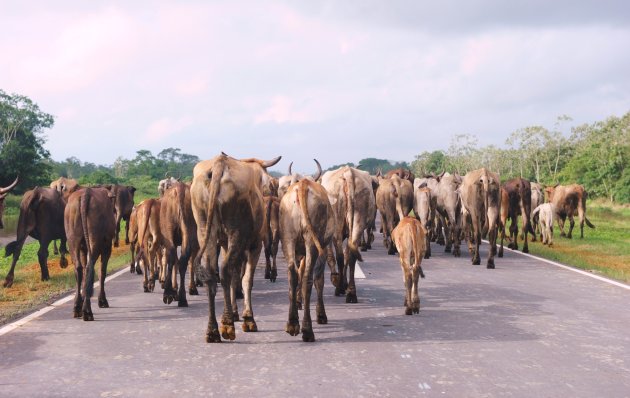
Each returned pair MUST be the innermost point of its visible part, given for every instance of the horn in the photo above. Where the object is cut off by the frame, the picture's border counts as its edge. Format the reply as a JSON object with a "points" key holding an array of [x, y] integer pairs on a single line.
{"points": [[224, 154], [269, 163], [179, 176], [290, 164], [10, 187], [166, 175], [319, 170], [378, 172], [359, 166], [442, 174]]}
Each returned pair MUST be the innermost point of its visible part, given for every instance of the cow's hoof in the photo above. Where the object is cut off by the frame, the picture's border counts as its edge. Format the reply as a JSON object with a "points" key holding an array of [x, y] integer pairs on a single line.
{"points": [[169, 296], [249, 324], [126, 241], [408, 311], [213, 336], [45, 277], [476, 261], [447, 249], [322, 319], [293, 328], [369, 247], [299, 305], [132, 269], [151, 286], [392, 250], [339, 291], [308, 336], [267, 274], [116, 244], [88, 316], [490, 264], [274, 275], [416, 310], [138, 270], [239, 294], [199, 283], [525, 249], [192, 290], [77, 313], [182, 302], [351, 298], [8, 282], [363, 248], [456, 252], [102, 303], [63, 262], [228, 332], [146, 289]]}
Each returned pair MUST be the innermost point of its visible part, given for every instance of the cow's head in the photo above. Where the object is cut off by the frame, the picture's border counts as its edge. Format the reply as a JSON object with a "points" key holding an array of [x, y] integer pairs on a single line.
{"points": [[549, 191], [3, 194]]}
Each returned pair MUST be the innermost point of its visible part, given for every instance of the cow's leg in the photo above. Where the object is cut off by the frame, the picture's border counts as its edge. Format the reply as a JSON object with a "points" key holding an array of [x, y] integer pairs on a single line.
{"points": [[78, 275], [300, 271], [42, 257], [8, 281], [476, 236], [118, 219], [249, 324], [427, 237], [274, 255], [405, 265], [126, 230], [147, 269], [571, 225], [493, 216], [448, 244], [55, 249], [561, 220], [455, 229], [439, 231], [267, 251], [351, 291], [318, 279], [234, 286], [293, 323], [338, 278], [102, 298], [63, 251], [169, 293], [192, 287], [307, 287], [502, 231], [581, 217], [415, 274], [182, 265], [514, 233], [88, 288], [525, 229]]}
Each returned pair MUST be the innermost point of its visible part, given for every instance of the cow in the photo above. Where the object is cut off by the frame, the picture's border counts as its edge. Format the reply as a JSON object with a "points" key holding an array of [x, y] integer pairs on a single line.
{"points": [[410, 239], [538, 198], [291, 178], [567, 200], [481, 198], [123, 205], [394, 200], [271, 236], [403, 173], [431, 182], [448, 208], [165, 184], [545, 214], [148, 245], [228, 207], [352, 199], [516, 199], [65, 186], [41, 217], [368, 237], [307, 225], [424, 212], [90, 226], [178, 228], [134, 267], [3, 194]]}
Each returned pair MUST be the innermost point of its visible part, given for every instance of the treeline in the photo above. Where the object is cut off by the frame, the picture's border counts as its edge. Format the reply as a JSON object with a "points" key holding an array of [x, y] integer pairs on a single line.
{"points": [[595, 155]]}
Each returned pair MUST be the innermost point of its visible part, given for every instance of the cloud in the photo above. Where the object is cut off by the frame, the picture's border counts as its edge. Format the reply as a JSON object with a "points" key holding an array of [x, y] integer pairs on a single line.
{"points": [[283, 110], [165, 127]]}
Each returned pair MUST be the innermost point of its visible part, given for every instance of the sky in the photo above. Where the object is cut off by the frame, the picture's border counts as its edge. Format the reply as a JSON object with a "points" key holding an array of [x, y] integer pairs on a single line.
{"points": [[334, 80]]}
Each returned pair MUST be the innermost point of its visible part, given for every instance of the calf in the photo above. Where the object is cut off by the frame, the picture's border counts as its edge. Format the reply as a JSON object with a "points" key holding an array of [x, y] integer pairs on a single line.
{"points": [[90, 226], [148, 248], [545, 213], [410, 239], [538, 198]]}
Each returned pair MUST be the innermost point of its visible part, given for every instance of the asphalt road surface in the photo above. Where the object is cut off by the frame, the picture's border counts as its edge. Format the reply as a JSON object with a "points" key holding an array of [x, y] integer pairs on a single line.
{"points": [[525, 329]]}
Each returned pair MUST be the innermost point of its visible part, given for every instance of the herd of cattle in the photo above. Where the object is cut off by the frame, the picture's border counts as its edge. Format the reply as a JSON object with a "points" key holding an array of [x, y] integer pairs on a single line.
{"points": [[234, 209]]}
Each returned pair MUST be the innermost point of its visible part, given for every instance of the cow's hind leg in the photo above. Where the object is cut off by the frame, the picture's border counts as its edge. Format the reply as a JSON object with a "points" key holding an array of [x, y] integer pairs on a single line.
{"points": [[42, 256], [249, 324], [318, 279], [307, 286], [293, 323], [102, 298]]}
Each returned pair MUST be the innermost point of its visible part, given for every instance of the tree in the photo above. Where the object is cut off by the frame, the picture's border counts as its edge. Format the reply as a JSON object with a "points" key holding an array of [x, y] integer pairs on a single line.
{"points": [[22, 139]]}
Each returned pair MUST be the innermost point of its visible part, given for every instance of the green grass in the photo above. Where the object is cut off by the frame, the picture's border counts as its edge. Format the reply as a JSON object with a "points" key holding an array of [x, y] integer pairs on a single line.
{"points": [[604, 250]]}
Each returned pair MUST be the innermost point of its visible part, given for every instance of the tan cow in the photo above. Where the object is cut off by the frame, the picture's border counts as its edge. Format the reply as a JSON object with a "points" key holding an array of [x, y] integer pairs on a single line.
{"points": [[227, 204], [448, 208], [134, 267], [291, 178], [307, 225], [90, 226], [538, 198], [410, 239], [567, 200], [394, 200], [480, 195], [65, 186], [178, 228], [148, 247], [422, 208], [352, 199], [545, 214]]}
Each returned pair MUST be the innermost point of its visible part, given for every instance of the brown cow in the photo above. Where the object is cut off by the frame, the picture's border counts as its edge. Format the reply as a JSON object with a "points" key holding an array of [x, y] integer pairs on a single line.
{"points": [[307, 227], [394, 200], [148, 246], [410, 239], [90, 227], [403, 173], [567, 199], [41, 217], [516, 199], [123, 206], [3, 194], [133, 241], [271, 236], [178, 228], [352, 199], [228, 206], [481, 198]]}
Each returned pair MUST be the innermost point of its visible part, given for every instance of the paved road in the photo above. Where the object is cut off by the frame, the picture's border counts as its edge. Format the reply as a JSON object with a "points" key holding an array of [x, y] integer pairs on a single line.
{"points": [[525, 329]]}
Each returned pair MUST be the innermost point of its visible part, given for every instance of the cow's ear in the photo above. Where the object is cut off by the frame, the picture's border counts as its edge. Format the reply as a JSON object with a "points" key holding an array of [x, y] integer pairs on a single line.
{"points": [[131, 188]]}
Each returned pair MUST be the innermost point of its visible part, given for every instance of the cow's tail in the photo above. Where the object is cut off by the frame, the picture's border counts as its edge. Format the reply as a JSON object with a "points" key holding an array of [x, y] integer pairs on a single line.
{"points": [[398, 196], [350, 190], [268, 207], [141, 238], [536, 211], [418, 246], [215, 176], [302, 194], [590, 224], [22, 228], [84, 203]]}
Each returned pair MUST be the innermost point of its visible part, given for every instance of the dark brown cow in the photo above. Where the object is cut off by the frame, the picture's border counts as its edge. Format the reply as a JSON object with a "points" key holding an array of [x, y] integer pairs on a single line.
{"points": [[271, 236], [516, 199], [90, 227], [307, 227], [401, 172], [567, 200], [148, 245], [178, 228], [228, 205], [41, 217], [123, 205], [3, 194], [481, 198]]}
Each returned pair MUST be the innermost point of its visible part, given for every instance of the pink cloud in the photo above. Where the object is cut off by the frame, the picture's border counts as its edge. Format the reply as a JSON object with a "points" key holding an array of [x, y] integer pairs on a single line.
{"points": [[282, 110], [162, 128]]}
